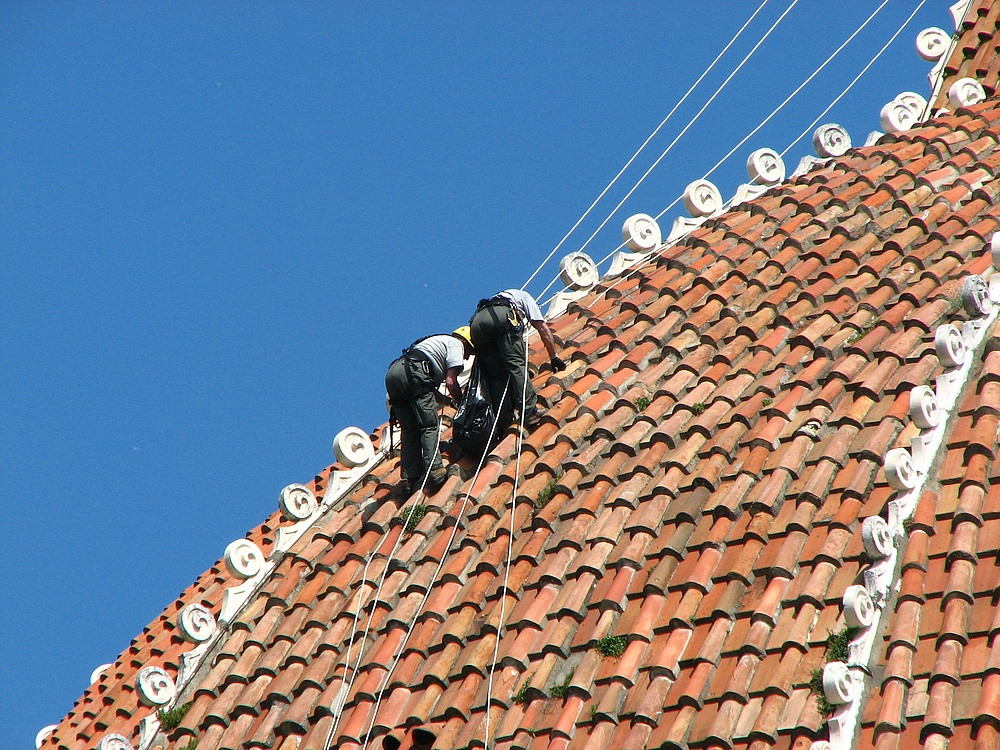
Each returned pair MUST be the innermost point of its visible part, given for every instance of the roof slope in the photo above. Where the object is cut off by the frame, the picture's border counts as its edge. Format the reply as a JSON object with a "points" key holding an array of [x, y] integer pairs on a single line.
{"points": [[975, 52], [687, 520], [714, 447]]}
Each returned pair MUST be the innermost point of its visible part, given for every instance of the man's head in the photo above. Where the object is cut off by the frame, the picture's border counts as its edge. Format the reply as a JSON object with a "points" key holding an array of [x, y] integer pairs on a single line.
{"points": [[464, 334]]}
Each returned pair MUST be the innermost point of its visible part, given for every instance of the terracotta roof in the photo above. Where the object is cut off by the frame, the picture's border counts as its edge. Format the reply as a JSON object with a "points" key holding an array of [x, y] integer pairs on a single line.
{"points": [[976, 48], [689, 517]]}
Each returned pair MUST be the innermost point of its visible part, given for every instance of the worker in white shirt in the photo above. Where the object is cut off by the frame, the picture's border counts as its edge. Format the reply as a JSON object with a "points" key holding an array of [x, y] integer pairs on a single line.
{"points": [[498, 336]]}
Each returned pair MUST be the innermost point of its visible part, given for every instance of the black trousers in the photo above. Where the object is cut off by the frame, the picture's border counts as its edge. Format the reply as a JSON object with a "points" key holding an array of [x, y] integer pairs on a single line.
{"points": [[411, 387], [502, 359]]}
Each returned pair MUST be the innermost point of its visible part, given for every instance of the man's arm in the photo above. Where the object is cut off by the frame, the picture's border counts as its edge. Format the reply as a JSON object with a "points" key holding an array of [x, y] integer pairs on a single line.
{"points": [[545, 334], [451, 383]]}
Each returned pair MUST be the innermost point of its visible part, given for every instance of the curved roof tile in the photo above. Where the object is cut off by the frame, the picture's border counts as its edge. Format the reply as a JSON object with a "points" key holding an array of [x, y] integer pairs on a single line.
{"points": [[687, 518]]}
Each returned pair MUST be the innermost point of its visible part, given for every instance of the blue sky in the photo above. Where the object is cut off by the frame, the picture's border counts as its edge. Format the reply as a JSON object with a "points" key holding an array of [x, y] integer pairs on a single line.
{"points": [[219, 223]]}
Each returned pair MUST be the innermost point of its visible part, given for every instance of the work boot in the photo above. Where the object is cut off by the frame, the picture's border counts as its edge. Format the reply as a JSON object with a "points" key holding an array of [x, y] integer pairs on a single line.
{"points": [[404, 488], [533, 422], [435, 481]]}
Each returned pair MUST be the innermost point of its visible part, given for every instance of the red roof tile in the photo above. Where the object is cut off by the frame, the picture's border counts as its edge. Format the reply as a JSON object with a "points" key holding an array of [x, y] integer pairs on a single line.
{"points": [[679, 587]]}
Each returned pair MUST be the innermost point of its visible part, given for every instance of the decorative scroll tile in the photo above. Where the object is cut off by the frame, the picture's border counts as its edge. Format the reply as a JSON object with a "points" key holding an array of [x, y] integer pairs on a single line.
{"points": [[899, 470], [196, 623], [924, 407], [114, 742], [896, 117], [949, 345], [155, 686], [641, 233], [43, 734], [859, 611], [244, 558], [765, 167], [838, 684], [877, 538], [965, 92], [578, 271], [914, 101], [831, 140], [702, 198], [353, 447], [297, 502], [903, 112], [932, 43], [975, 296]]}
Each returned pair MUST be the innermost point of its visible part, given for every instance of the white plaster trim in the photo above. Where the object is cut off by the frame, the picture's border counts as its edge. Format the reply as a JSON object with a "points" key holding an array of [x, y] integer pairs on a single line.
{"points": [[562, 300], [149, 727], [682, 227], [96, 674], [806, 163], [191, 660], [873, 137], [747, 192], [236, 597], [624, 261], [959, 10], [845, 723], [289, 535], [936, 76], [44, 733]]}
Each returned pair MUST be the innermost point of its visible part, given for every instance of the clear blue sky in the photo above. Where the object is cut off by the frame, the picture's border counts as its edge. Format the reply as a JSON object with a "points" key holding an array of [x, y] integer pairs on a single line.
{"points": [[220, 222]]}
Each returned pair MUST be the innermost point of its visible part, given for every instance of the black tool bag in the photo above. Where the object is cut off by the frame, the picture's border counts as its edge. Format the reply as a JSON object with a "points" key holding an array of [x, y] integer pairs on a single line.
{"points": [[473, 422]]}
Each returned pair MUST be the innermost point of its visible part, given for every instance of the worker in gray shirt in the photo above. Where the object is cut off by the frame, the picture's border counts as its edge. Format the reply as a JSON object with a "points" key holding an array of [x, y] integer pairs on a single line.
{"points": [[498, 336], [412, 384]]}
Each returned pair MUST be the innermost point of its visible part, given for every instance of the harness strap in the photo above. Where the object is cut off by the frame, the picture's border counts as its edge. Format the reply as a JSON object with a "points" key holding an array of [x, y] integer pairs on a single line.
{"points": [[417, 358], [513, 319]]}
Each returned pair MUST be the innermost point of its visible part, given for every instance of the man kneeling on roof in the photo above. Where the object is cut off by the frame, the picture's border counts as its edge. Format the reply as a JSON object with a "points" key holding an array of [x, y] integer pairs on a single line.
{"points": [[498, 336], [412, 384]]}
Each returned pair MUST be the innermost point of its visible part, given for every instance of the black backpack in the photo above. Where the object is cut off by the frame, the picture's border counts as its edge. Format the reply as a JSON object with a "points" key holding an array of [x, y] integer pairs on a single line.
{"points": [[474, 420]]}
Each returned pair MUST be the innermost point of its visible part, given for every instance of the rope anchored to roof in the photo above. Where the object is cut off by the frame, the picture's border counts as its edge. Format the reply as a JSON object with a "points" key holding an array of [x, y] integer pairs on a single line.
{"points": [[644, 144]]}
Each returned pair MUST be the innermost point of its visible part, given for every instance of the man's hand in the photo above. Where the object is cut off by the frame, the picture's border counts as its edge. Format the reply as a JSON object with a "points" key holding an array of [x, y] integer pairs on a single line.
{"points": [[557, 364]]}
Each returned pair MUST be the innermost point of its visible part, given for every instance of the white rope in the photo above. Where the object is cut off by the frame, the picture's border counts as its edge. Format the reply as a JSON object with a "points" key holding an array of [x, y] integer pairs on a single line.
{"points": [[643, 263], [788, 98], [688, 126], [345, 689], [774, 112], [656, 254], [510, 545], [671, 145], [643, 146], [430, 585], [864, 70]]}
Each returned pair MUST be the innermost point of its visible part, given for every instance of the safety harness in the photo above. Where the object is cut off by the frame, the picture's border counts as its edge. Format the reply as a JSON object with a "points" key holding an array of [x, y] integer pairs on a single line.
{"points": [[514, 318]]}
